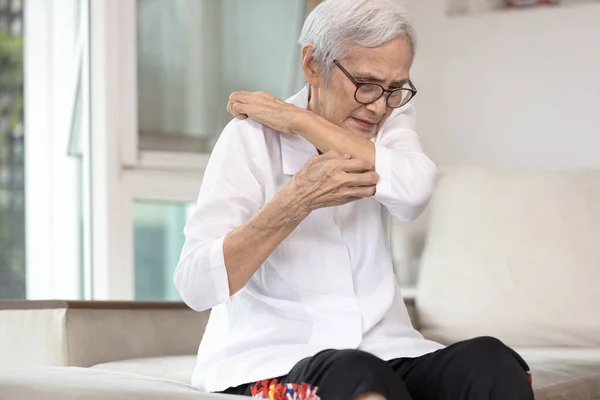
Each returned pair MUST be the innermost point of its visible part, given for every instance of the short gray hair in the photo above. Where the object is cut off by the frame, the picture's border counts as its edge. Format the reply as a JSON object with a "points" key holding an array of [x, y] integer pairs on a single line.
{"points": [[334, 25]]}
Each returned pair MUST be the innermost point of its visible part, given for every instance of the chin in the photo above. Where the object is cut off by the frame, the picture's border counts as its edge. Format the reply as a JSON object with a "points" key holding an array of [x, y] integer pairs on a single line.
{"points": [[357, 130], [363, 133]]}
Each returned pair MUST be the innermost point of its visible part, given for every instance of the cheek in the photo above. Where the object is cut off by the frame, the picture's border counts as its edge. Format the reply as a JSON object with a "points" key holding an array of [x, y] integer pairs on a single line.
{"points": [[339, 106]]}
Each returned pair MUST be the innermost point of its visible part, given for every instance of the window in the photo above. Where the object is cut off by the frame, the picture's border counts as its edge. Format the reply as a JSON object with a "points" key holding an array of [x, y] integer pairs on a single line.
{"points": [[124, 101], [157, 108], [57, 148], [12, 163], [158, 239], [192, 54]]}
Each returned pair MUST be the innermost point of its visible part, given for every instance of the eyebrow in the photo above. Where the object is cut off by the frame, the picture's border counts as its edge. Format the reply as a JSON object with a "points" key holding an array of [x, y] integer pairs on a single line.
{"points": [[372, 78]]}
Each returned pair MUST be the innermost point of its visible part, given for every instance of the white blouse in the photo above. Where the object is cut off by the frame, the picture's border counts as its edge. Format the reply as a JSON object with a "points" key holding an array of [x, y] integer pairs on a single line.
{"points": [[329, 284]]}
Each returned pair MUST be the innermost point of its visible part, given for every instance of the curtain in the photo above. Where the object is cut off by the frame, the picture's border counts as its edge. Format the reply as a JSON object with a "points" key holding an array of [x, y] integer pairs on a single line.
{"points": [[193, 53]]}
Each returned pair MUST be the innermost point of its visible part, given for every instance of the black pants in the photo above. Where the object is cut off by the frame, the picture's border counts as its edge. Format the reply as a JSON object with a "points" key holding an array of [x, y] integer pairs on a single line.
{"points": [[478, 369]]}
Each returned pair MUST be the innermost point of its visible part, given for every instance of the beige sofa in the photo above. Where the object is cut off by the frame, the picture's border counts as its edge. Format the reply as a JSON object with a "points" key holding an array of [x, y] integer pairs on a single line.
{"points": [[515, 255], [509, 254], [119, 350], [98, 350]]}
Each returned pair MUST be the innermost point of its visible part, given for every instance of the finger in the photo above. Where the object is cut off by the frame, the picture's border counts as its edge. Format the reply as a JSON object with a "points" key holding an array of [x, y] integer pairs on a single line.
{"points": [[238, 96], [341, 202], [230, 108], [369, 178], [356, 165], [238, 108], [331, 154], [361, 191], [251, 97]]}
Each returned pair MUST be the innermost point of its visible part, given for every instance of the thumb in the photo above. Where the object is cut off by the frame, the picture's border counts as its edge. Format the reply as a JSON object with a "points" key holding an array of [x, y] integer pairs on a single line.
{"points": [[331, 154]]}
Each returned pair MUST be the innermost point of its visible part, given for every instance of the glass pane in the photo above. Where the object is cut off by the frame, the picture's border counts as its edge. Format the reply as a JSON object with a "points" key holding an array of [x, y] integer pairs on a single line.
{"points": [[193, 53], [78, 149], [158, 239], [12, 174]]}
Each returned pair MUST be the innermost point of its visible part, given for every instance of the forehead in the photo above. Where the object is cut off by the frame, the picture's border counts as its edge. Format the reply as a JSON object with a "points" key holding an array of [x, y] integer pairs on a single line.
{"points": [[390, 61]]}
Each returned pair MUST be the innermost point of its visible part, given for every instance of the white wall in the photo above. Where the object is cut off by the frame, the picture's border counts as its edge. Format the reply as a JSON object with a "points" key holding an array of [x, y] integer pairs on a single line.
{"points": [[509, 89]]}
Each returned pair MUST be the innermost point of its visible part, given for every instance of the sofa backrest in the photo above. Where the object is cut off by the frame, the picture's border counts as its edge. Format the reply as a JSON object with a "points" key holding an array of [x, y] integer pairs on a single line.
{"points": [[513, 254], [85, 333]]}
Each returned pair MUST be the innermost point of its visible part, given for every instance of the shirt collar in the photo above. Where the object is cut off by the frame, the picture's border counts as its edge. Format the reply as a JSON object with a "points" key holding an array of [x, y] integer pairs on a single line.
{"points": [[295, 150]]}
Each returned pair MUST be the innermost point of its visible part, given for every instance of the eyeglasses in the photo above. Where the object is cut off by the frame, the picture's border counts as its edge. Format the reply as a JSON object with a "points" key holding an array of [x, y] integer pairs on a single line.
{"points": [[367, 93]]}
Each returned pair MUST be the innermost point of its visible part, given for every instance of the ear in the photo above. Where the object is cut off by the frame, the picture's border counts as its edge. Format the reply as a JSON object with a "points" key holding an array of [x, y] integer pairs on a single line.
{"points": [[309, 66]]}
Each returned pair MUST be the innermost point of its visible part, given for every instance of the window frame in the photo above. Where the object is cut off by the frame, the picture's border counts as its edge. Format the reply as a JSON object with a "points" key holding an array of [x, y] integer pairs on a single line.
{"points": [[122, 173], [119, 172], [56, 67]]}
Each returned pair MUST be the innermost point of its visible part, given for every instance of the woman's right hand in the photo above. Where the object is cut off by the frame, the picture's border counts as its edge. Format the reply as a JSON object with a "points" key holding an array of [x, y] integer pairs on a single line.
{"points": [[330, 180]]}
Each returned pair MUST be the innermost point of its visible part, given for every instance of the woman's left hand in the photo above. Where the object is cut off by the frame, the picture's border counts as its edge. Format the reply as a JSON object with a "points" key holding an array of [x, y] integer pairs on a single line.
{"points": [[264, 108]]}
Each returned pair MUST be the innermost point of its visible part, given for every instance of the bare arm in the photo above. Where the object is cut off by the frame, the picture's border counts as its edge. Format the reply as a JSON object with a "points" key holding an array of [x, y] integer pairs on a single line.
{"points": [[327, 180], [326, 136], [246, 248], [407, 174], [287, 118]]}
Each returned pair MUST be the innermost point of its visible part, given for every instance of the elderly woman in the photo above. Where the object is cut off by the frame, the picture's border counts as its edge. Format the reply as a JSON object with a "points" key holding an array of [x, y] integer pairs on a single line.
{"points": [[289, 247]]}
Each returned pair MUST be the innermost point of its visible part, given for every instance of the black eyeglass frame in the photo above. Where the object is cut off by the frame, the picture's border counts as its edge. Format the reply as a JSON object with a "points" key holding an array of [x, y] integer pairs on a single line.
{"points": [[358, 84]]}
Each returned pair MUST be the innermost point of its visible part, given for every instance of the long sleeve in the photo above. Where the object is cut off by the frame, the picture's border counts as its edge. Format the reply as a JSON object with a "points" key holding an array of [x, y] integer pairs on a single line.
{"points": [[230, 195], [407, 175]]}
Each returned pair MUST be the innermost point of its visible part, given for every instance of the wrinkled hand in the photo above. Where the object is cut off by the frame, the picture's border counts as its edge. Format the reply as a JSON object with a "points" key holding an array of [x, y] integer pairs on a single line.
{"points": [[331, 180], [264, 108]]}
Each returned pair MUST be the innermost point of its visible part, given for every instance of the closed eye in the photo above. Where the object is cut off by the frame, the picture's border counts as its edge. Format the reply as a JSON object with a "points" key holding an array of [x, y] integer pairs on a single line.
{"points": [[369, 79]]}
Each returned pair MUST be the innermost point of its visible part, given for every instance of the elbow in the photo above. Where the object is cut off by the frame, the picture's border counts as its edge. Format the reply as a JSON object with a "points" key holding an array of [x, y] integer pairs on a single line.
{"points": [[424, 179], [187, 293], [418, 191], [200, 288]]}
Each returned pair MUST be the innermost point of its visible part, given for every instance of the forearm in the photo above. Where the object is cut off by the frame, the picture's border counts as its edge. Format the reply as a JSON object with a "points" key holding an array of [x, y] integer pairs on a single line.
{"points": [[327, 136], [246, 248]]}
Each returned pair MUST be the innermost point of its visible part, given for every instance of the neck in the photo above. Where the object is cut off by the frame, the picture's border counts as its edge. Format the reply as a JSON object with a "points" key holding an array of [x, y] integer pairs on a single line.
{"points": [[313, 103]]}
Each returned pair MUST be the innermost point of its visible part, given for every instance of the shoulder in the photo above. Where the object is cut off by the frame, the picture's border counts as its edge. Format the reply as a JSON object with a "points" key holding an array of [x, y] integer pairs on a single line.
{"points": [[402, 118], [239, 134], [245, 137], [245, 145]]}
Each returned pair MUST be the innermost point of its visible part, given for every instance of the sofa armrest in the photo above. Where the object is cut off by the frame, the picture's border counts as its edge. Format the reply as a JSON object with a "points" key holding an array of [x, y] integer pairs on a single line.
{"points": [[412, 311], [85, 333]]}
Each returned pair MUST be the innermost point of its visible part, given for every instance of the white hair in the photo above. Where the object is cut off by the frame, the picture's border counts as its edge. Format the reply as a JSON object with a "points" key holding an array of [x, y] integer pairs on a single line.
{"points": [[335, 25]]}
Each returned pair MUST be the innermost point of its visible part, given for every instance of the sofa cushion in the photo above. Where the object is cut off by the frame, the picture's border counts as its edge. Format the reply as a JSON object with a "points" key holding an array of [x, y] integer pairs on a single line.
{"points": [[572, 373], [174, 368], [72, 383], [515, 255], [567, 373]]}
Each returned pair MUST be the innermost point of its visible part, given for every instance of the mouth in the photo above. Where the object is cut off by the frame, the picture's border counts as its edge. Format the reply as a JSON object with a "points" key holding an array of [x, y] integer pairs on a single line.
{"points": [[365, 125]]}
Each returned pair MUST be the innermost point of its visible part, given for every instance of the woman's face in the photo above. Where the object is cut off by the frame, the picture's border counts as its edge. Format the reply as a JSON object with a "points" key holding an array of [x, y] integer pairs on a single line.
{"points": [[387, 65]]}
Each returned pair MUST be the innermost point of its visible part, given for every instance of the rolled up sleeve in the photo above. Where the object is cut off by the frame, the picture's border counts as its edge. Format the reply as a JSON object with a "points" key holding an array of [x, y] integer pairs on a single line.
{"points": [[406, 175], [230, 195]]}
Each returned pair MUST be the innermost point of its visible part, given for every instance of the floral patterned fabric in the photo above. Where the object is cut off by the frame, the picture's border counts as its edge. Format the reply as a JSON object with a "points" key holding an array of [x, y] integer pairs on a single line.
{"points": [[273, 390]]}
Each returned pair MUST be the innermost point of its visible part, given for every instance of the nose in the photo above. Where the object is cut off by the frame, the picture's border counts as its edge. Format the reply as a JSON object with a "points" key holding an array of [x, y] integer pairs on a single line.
{"points": [[378, 107]]}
